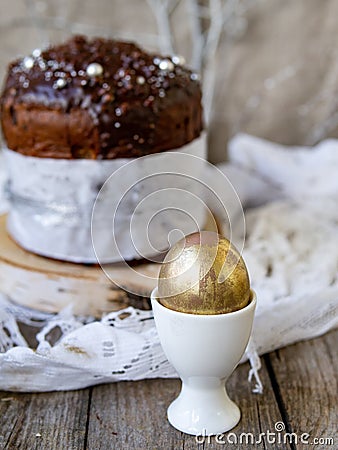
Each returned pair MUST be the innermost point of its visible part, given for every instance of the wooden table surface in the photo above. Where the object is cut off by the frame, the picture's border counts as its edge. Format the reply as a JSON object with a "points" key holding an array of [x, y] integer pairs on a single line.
{"points": [[300, 395]]}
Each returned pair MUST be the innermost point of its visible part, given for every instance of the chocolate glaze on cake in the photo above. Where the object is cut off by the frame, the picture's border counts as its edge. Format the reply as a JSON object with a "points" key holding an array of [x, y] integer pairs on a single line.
{"points": [[99, 99]]}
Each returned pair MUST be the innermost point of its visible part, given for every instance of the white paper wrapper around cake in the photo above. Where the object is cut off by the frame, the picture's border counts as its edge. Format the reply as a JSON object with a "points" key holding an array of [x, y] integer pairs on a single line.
{"points": [[52, 200]]}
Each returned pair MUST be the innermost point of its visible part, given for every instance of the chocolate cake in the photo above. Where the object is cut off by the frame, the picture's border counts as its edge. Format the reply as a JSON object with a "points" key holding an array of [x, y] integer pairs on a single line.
{"points": [[99, 99]]}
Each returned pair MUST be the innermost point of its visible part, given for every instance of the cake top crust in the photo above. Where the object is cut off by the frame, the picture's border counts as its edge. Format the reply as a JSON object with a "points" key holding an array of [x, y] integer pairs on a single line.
{"points": [[107, 78], [95, 71]]}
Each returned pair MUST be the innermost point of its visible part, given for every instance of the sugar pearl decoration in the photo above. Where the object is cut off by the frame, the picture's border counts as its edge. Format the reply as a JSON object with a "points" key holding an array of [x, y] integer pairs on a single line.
{"points": [[36, 53], [166, 64], [140, 80], [94, 70], [179, 60], [194, 77], [60, 83], [42, 64], [28, 62]]}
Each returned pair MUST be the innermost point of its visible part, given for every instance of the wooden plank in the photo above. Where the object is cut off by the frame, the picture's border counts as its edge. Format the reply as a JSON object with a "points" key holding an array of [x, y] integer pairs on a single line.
{"points": [[10, 407], [306, 384], [50, 421], [133, 414], [260, 412]]}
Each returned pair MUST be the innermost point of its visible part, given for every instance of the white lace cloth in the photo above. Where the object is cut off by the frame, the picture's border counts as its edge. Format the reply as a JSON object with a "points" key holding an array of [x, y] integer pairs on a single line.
{"points": [[291, 197]]}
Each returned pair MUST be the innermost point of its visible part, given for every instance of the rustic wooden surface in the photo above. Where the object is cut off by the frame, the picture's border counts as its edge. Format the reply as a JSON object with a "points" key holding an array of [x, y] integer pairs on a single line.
{"points": [[300, 394]]}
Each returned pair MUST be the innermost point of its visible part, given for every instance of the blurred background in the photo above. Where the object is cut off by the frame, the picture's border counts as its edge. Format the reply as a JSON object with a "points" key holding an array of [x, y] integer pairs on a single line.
{"points": [[268, 67]]}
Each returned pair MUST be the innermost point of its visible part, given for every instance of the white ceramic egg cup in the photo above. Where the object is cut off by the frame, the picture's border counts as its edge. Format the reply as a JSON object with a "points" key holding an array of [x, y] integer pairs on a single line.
{"points": [[204, 350]]}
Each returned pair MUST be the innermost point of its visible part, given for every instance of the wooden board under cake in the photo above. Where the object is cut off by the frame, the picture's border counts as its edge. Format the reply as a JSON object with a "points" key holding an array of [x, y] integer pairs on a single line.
{"points": [[50, 285]]}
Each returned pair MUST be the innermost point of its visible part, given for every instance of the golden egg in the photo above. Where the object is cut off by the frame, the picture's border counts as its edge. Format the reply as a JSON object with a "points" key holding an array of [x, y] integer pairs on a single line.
{"points": [[204, 273]]}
